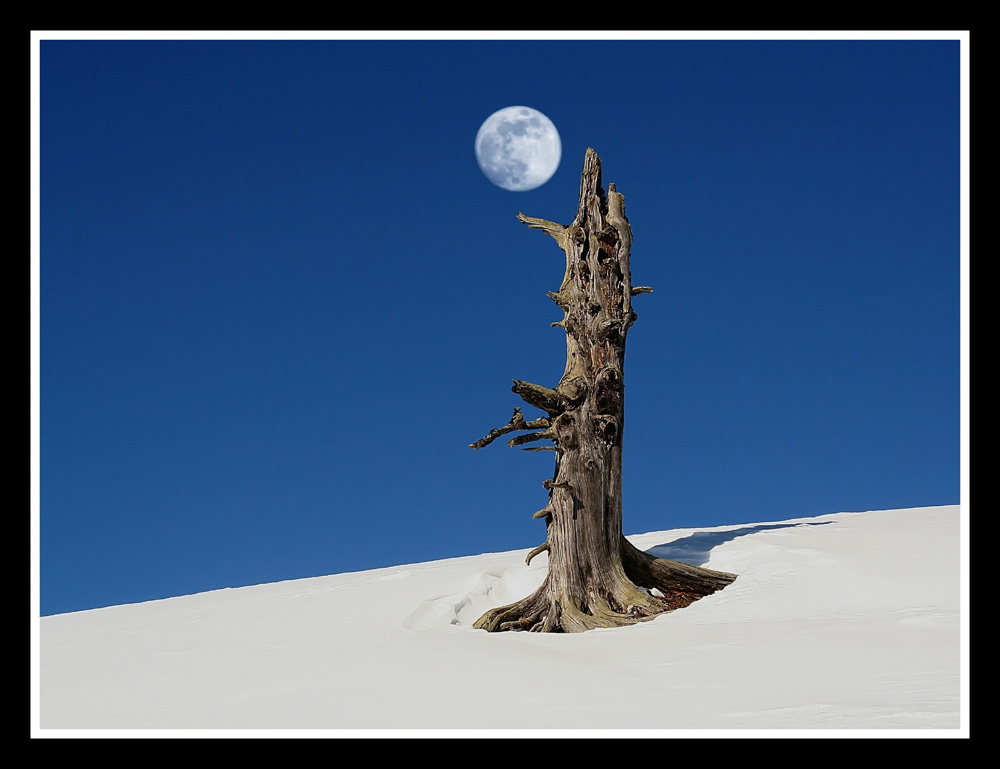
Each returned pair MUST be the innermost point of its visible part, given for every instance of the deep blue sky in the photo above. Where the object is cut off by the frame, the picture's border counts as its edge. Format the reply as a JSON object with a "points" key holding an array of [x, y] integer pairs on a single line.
{"points": [[278, 297]]}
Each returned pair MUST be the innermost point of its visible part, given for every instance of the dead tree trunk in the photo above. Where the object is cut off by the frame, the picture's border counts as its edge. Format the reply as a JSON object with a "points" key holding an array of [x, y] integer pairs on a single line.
{"points": [[596, 578]]}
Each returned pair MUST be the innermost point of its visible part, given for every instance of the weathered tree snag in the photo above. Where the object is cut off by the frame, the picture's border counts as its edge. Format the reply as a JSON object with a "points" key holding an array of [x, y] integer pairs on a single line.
{"points": [[596, 578]]}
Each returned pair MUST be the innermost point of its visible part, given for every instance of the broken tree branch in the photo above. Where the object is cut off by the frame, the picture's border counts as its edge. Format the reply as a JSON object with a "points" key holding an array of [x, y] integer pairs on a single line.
{"points": [[544, 398], [531, 437], [542, 548], [517, 423], [557, 231]]}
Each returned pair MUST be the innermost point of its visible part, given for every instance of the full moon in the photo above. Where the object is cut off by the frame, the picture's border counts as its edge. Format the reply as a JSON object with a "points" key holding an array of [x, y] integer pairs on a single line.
{"points": [[518, 148]]}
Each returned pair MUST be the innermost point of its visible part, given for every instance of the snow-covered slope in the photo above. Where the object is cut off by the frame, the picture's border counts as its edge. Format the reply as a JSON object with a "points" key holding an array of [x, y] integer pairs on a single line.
{"points": [[843, 621]]}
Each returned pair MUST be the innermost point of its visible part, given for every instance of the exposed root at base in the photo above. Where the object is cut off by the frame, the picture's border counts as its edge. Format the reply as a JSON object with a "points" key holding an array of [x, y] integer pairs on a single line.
{"points": [[545, 611]]}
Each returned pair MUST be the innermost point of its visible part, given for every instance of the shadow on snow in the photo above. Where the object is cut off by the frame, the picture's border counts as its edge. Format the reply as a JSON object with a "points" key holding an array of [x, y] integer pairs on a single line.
{"points": [[695, 549]]}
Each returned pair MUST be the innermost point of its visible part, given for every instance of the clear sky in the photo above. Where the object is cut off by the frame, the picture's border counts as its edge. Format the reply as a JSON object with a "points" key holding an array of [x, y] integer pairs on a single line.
{"points": [[278, 297]]}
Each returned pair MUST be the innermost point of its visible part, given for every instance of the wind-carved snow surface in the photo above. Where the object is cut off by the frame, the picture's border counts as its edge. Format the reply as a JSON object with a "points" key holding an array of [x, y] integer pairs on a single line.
{"points": [[843, 621]]}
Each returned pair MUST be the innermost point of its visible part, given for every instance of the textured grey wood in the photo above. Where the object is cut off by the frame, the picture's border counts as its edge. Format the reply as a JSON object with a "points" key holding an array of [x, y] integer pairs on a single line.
{"points": [[595, 577]]}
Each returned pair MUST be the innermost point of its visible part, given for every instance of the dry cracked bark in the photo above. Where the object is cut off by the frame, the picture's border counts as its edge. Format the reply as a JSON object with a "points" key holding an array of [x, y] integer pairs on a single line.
{"points": [[596, 578]]}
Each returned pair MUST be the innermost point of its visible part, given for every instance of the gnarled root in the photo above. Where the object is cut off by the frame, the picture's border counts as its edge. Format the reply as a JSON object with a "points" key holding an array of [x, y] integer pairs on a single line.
{"points": [[532, 613], [672, 578], [677, 585], [544, 612]]}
